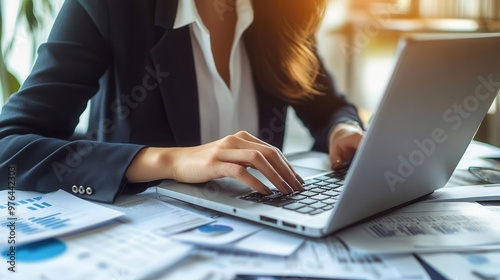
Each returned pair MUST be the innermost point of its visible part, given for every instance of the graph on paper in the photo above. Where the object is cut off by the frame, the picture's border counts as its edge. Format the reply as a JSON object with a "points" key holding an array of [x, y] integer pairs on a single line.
{"points": [[32, 200], [44, 216]]}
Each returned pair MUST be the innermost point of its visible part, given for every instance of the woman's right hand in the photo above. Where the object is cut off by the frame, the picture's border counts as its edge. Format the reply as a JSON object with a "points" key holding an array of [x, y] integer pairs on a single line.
{"points": [[227, 157]]}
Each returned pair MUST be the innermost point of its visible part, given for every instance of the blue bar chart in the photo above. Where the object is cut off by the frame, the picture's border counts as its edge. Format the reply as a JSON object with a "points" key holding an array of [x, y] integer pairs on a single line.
{"points": [[26, 228], [43, 216], [51, 221], [37, 206], [22, 202], [35, 224]]}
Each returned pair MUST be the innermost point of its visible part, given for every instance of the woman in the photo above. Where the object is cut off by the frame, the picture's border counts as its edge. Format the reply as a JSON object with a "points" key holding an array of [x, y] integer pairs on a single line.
{"points": [[189, 90]]}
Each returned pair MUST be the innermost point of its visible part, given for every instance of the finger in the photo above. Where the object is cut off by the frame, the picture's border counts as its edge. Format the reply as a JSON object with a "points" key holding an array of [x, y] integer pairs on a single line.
{"points": [[335, 157], [342, 151], [282, 166], [239, 172], [275, 157], [256, 160], [249, 137], [344, 140]]}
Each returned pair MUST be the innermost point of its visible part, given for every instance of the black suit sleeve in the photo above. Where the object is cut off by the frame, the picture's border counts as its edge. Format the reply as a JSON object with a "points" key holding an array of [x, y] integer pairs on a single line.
{"points": [[323, 112], [37, 122]]}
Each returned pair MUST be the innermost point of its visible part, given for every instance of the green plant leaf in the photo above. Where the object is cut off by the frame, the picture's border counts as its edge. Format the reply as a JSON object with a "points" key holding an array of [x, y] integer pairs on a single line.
{"points": [[28, 9], [48, 6], [13, 85], [1, 26]]}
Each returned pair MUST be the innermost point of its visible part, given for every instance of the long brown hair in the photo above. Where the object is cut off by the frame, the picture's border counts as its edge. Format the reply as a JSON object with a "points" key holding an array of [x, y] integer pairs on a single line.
{"points": [[280, 44]]}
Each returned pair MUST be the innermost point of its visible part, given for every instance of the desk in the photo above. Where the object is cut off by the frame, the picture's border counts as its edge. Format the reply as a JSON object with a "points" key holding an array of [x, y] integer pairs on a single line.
{"points": [[208, 264]]}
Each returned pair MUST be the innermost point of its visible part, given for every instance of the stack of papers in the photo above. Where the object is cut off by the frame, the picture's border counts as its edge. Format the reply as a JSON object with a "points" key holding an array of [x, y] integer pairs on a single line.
{"points": [[115, 251], [43, 248], [151, 235]]}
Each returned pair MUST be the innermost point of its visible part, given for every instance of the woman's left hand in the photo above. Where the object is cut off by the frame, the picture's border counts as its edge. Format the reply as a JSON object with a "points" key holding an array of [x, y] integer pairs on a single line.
{"points": [[344, 141]]}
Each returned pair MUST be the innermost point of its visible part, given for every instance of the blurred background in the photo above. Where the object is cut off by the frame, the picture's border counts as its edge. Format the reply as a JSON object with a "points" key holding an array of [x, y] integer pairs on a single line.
{"points": [[357, 42]]}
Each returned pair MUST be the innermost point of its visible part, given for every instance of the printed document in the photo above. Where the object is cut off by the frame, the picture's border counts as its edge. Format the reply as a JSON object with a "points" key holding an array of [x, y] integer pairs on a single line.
{"points": [[44, 216], [466, 193], [147, 212], [470, 265], [114, 251], [427, 227], [326, 257]]}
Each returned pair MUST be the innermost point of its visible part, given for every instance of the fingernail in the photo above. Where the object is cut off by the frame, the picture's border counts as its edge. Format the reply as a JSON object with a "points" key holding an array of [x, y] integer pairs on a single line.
{"points": [[268, 191], [298, 185], [299, 178], [286, 186], [336, 164]]}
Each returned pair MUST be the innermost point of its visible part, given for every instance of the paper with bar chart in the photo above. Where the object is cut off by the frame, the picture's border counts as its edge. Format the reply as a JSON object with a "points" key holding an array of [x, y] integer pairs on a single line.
{"points": [[43, 216]]}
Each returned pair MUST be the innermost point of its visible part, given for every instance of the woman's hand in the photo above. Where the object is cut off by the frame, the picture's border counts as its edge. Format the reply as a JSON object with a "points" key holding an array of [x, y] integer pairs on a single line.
{"points": [[344, 141], [227, 157]]}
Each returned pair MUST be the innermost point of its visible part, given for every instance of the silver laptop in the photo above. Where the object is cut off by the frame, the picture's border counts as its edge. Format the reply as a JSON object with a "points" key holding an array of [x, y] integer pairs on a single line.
{"points": [[437, 97]]}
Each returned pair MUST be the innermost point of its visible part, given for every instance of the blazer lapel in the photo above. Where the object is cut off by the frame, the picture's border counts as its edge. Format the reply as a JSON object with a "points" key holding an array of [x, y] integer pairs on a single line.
{"points": [[173, 57]]}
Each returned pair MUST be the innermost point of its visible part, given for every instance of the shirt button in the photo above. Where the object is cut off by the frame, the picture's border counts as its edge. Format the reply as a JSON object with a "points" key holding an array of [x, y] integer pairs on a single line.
{"points": [[89, 190], [74, 189], [81, 190]]}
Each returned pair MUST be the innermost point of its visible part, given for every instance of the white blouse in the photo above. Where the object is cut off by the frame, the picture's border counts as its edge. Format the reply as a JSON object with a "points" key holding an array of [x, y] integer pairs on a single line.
{"points": [[223, 110]]}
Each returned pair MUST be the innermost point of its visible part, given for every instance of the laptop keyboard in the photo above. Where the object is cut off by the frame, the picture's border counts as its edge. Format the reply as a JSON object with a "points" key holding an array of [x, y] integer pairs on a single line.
{"points": [[320, 194]]}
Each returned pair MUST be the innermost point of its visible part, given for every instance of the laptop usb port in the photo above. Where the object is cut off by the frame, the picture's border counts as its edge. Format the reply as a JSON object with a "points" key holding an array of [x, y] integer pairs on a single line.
{"points": [[285, 224], [269, 220]]}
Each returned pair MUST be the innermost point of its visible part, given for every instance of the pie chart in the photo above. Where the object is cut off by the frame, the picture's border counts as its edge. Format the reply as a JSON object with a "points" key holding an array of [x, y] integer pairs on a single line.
{"points": [[214, 229], [38, 251]]}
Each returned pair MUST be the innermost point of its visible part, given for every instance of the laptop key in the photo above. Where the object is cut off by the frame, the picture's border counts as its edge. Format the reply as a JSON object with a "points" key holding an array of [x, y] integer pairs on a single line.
{"points": [[308, 193], [309, 187], [332, 180], [319, 197], [255, 194], [279, 202], [318, 205], [330, 186], [332, 193], [294, 206], [255, 198], [297, 196], [329, 207], [311, 181], [305, 210], [316, 212], [329, 201], [308, 201], [318, 190]]}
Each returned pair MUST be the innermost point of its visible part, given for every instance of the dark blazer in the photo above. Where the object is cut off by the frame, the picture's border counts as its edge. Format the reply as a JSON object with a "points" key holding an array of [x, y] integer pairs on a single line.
{"points": [[139, 74]]}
